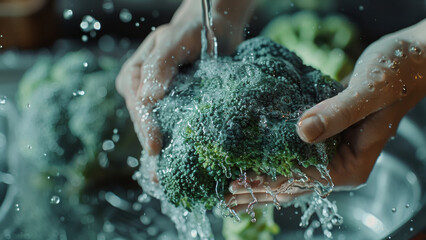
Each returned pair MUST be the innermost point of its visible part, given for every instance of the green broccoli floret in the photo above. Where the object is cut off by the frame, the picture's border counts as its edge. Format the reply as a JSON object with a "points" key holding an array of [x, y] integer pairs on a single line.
{"points": [[69, 107], [238, 113]]}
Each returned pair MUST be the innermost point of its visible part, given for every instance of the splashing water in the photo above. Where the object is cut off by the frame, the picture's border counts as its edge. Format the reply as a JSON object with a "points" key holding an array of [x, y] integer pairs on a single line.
{"points": [[189, 225], [243, 181], [195, 224]]}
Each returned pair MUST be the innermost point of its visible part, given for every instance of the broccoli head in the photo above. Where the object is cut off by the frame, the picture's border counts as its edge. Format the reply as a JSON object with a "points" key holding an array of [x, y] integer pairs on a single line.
{"points": [[235, 114]]}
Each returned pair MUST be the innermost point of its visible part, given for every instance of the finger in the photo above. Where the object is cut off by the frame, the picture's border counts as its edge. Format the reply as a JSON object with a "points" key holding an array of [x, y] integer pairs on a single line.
{"points": [[243, 208], [241, 202], [371, 88], [362, 145], [156, 75], [132, 66], [264, 183]]}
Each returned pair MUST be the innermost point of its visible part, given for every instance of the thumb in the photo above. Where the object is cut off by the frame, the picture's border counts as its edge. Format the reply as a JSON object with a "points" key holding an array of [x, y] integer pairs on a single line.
{"points": [[370, 89]]}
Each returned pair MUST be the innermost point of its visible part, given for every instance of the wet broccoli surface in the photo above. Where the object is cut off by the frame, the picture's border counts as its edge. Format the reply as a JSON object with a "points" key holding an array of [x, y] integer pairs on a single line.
{"points": [[236, 114]]}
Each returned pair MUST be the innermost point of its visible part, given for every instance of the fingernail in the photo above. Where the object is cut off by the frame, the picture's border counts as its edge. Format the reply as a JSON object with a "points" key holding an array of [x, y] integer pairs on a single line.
{"points": [[310, 128]]}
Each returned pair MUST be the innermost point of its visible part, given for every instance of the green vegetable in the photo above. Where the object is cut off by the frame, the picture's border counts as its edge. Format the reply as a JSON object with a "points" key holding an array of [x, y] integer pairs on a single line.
{"points": [[69, 107], [238, 113], [264, 228], [329, 44]]}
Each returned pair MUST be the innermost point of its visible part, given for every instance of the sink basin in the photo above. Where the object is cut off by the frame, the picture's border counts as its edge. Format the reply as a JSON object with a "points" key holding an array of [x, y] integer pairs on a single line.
{"points": [[391, 204]]}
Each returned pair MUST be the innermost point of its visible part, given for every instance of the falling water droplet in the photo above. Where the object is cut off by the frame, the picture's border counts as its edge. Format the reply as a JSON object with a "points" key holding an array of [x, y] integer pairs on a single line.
{"points": [[97, 25], [132, 162], [361, 8], [108, 6], [194, 233], [411, 229], [393, 210], [390, 125], [55, 200], [108, 145], [137, 24], [407, 205], [125, 15], [3, 100], [89, 23], [84, 38], [17, 208], [68, 13], [29, 147], [85, 64], [152, 28], [78, 93], [28, 105]]}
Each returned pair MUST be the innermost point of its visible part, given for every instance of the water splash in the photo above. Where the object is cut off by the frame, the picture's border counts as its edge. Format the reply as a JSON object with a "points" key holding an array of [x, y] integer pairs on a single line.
{"points": [[325, 210], [245, 182]]}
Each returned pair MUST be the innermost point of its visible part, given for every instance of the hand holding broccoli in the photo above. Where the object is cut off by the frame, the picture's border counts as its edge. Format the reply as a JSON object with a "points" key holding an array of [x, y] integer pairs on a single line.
{"points": [[388, 80], [146, 75]]}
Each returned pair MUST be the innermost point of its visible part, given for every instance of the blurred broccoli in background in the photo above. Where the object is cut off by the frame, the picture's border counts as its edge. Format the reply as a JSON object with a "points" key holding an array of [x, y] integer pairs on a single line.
{"points": [[330, 43], [76, 133], [264, 228], [237, 114]]}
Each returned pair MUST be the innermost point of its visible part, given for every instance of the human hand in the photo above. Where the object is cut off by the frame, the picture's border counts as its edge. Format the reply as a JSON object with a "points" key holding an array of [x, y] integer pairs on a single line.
{"points": [[146, 75], [388, 80]]}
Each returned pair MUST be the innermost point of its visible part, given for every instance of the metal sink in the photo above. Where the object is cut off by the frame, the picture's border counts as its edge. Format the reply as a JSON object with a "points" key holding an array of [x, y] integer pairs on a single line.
{"points": [[391, 204]]}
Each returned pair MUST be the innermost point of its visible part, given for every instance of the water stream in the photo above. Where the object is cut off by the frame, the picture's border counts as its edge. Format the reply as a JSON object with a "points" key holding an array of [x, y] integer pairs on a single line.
{"points": [[208, 38]]}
